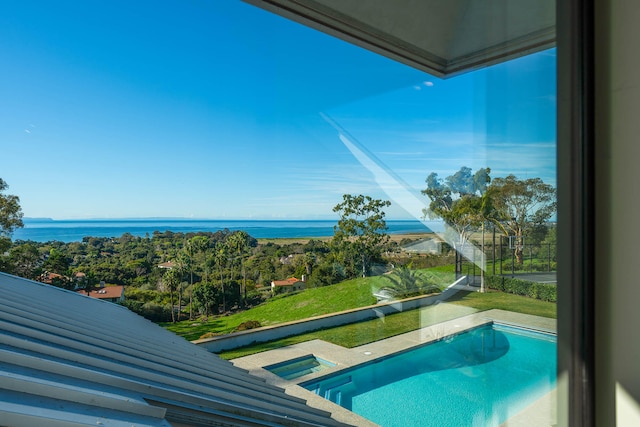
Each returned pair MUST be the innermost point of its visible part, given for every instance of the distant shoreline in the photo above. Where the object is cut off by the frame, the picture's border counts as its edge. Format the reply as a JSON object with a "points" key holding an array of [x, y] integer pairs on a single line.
{"points": [[394, 237], [76, 230]]}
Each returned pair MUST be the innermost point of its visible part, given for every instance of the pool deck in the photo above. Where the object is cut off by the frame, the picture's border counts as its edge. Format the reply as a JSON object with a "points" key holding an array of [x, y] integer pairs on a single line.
{"points": [[540, 413]]}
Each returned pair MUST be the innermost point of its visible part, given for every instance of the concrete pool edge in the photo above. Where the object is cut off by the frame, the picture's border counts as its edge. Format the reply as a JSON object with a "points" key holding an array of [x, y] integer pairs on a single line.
{"points": [[345, 358]]}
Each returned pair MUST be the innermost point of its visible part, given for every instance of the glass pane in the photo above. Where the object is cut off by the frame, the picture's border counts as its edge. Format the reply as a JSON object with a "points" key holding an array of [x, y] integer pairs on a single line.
{"points": [[377, 240]]}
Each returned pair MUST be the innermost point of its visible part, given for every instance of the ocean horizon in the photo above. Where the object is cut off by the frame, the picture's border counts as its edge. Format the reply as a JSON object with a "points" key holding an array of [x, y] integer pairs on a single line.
{"points": [[45, 230]]}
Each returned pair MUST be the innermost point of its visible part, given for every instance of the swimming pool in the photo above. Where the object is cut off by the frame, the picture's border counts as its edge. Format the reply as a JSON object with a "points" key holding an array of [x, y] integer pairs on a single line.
{"points": [[299, 367], [480, 377]]}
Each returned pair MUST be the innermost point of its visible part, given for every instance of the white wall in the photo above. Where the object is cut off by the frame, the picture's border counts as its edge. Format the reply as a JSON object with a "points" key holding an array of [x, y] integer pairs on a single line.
{"points": [[617, 212]]}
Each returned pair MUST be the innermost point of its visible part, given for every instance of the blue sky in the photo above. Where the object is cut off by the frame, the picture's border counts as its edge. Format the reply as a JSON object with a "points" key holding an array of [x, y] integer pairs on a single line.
{"points": [[217, 109]]}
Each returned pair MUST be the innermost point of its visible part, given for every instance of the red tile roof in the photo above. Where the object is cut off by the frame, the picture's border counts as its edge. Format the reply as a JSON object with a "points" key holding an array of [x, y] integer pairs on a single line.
{"points": [[48, 277], [108, 292], [289, 282], [168, 265]]}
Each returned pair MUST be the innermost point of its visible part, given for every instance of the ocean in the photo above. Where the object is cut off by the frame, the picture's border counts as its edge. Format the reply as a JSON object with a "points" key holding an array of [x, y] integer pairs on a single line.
{"points": [[74, 230]]}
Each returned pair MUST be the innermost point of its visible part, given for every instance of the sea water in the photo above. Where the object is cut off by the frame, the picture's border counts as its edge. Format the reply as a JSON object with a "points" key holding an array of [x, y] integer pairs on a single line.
{"points": [[74, 230]]}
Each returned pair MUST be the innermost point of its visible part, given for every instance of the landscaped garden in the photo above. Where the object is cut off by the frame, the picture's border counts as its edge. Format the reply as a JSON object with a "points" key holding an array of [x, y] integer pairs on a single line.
{"points": [[352, 294], [361, 333]]}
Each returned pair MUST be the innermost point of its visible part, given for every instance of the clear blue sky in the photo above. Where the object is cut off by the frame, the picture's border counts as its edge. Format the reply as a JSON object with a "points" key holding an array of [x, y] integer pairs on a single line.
{"points": [[212, 109]]}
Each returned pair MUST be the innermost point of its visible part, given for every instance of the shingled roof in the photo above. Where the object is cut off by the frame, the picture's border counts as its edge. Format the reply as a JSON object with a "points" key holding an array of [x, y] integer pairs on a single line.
{"points": [[61, 365]]}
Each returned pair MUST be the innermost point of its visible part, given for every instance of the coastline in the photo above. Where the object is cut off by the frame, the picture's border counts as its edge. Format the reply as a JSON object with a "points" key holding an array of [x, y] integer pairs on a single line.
{"points": [[267, 230], [394, 237]]}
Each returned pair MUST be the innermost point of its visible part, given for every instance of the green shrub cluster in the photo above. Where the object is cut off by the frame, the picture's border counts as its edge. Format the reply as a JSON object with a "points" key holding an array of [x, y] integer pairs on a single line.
{"points": [[209, 335], [541, 291], [150, 310], [249, 324]]}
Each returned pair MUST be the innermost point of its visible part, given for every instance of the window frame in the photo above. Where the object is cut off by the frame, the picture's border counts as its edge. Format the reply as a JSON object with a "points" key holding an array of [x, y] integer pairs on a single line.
{"points": [[576, 212]]}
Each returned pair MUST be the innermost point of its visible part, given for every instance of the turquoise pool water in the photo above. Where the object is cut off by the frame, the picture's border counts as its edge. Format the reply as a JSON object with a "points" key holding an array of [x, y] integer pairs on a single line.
{"points": [[481, 377]]}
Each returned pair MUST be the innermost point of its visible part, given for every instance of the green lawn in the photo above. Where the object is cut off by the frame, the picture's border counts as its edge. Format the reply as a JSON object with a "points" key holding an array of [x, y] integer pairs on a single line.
{"points": [[373, 330], [313, 302], [285, 308], [344, 296], [504, 301]]}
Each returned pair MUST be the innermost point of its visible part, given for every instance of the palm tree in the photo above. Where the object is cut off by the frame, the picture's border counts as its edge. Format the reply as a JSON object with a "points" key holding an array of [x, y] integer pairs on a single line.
{"points": [[238, 243], [194, 245], [200, 245], [406, 282], [309, 260], [221, 256], [172, 279], [184, 264]]}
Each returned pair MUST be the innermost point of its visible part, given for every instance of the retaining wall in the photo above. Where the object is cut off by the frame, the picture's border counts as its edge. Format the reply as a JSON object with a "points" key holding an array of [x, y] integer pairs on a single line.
{"points": [[283, 330]]}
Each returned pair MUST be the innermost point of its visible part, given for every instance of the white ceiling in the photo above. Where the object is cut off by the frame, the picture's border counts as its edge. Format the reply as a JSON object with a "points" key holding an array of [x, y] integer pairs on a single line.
{"points": [[441, 37]]}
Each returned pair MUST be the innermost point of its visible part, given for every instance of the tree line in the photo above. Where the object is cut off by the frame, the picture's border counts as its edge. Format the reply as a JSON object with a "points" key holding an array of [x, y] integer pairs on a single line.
{"points": [[467, 202], [169, 275]]}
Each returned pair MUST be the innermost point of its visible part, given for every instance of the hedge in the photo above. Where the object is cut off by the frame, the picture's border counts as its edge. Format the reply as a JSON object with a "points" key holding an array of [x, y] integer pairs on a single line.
{"points": [[541, 291]]}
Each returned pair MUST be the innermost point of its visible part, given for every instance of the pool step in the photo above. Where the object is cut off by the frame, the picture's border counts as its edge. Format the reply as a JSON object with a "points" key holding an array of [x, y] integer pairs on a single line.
{"points": [[299, 367]]}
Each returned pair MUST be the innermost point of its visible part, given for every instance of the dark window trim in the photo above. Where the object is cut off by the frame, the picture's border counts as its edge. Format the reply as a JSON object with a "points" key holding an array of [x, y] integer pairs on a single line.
{"points": [[576, 210]]}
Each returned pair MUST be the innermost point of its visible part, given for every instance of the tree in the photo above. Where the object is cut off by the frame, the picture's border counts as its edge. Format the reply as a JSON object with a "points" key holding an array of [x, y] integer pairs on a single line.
{"points": [[523, 207], [405, 282], [88, 283], [221, 258], [10, 216], [309, 260], [24, 260], [172, 279], [186, 258], [196, 245], [206, 296], [238, 244], [57, 262], [360, 234], [459, 201], [10, 211], [200, 245]]}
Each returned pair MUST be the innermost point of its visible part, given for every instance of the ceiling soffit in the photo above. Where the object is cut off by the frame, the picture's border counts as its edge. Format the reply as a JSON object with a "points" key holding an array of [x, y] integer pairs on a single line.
{"points": [[440, 37]]}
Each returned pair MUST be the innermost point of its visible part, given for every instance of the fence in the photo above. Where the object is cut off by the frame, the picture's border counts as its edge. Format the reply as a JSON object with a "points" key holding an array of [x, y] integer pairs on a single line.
{"points": [[500, 259]]}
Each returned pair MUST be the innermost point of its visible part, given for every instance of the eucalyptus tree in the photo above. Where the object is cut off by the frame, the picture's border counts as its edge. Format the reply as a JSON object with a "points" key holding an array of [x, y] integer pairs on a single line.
{"points": [[10, 218], [523, 207], [360, 235], [10, 211], [458, 200]]}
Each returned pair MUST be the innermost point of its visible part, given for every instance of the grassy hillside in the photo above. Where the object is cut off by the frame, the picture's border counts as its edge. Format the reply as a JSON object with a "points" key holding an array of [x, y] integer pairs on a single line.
{"points": [[284, 308], [349, 295]]}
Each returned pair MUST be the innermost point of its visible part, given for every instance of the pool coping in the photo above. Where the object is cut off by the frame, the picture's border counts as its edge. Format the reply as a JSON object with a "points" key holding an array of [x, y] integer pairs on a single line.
{"points": [[346, 358]]}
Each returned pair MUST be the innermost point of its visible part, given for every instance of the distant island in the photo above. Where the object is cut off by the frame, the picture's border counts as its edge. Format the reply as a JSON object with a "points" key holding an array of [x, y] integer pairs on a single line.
{"points": [[30, 219]]}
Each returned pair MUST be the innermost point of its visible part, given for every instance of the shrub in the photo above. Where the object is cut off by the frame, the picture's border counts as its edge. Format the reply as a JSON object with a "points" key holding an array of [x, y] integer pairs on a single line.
{"points": [[541, 291], [249, 324], [150, 310], [547, 292], [208, 335]]}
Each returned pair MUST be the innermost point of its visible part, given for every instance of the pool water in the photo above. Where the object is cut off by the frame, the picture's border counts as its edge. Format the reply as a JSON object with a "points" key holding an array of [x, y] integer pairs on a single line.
{"points": [[481, 377], [299, 367]]}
